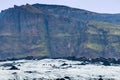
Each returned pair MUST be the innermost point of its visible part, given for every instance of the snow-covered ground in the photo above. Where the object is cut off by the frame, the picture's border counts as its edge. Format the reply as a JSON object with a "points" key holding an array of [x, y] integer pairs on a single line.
{"points": [[51, 69]]}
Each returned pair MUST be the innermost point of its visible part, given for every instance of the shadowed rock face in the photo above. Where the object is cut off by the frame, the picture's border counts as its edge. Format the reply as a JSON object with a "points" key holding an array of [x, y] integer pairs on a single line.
{"points": [[58, 31]]}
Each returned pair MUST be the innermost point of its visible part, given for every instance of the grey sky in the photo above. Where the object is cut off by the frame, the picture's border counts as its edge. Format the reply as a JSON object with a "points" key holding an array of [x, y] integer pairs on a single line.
{"points": [[101, 6]]}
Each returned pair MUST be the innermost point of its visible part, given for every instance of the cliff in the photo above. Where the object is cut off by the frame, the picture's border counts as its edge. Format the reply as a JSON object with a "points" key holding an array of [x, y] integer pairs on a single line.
{"points": [[53, 31]]}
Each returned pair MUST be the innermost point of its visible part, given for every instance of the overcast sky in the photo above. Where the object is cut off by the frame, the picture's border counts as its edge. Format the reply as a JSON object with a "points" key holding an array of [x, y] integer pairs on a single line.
{"points": [[101, 6]]}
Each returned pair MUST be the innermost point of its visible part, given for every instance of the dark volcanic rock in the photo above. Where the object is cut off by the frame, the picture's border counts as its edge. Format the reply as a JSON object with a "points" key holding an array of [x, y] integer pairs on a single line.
{"points": [[58, 31], [14, 68]]}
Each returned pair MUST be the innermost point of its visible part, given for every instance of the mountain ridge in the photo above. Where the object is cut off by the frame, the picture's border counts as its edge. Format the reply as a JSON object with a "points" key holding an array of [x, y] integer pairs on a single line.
{"points": [[41, 30]]}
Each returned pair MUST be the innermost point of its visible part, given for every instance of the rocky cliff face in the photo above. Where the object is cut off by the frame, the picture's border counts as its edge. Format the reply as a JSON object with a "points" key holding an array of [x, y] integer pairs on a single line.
{"points": [[58, 31]]}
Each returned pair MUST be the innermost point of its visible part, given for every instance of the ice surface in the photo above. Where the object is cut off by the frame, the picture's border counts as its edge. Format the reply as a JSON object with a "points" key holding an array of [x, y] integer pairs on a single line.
{"points": [[51, 69]]}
